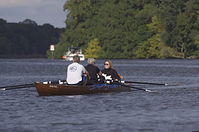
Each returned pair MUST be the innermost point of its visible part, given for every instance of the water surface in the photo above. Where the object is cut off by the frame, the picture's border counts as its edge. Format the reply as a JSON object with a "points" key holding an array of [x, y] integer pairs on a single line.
{"points": [[174, 108]]}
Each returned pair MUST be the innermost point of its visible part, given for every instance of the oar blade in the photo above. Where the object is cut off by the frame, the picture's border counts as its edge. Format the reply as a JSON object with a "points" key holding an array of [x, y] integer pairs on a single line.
{"points": [[151, 91], [146, 90], [138, 88], [177, 84], [3, 89]]}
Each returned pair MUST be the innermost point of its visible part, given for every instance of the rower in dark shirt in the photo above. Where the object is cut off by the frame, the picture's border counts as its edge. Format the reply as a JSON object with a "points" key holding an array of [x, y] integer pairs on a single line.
{"points": [[109, 73], [93, 71]]}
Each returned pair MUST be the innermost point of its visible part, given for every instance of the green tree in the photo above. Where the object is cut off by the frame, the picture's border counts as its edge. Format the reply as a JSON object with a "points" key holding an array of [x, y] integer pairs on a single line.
{"points": [[93, 49], [180, 18], [196, 42], [127, 28], [155, 47], [26, 39]]}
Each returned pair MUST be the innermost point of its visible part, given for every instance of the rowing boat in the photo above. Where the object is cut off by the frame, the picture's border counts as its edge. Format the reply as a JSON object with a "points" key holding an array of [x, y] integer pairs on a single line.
{"points": [[47, 89]]}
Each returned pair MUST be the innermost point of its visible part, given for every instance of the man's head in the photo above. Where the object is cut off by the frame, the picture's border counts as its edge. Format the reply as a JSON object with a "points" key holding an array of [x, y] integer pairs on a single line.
{"points": [[76, 58], [91, 61]]}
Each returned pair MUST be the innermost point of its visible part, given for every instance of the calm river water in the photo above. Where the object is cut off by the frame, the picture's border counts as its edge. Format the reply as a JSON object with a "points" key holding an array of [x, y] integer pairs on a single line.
{"points": [[174, 108]]}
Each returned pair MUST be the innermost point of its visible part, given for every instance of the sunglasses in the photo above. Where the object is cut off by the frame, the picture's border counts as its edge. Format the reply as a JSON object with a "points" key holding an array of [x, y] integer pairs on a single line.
{"points": [[106, 64]]}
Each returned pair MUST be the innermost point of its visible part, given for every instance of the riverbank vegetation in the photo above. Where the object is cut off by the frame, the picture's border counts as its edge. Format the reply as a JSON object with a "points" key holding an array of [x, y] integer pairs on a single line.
{"points": [[26, 39], [132, 28]]}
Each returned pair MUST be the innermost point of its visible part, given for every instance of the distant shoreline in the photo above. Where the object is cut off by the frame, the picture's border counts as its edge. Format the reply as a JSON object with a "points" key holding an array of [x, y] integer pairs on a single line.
{"points": [[45, 57], [23, 57]]}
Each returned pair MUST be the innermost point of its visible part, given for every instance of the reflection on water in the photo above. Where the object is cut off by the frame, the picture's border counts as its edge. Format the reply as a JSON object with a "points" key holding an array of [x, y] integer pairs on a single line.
{"points": [[174, 108]]}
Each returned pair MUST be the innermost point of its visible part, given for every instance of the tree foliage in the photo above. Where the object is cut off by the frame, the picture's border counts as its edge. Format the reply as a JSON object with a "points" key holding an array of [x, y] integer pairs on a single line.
{"points": [[26, 39], [155, 47], [133, 28], [93, 49]]}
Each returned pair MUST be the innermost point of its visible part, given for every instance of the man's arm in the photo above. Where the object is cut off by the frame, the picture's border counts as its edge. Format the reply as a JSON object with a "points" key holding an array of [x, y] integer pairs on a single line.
{"points": [[85, 72]]}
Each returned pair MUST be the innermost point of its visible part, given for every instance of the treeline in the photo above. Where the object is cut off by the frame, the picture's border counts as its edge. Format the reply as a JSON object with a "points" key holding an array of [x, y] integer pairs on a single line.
{"points": [[132, 28], [26, 39]]}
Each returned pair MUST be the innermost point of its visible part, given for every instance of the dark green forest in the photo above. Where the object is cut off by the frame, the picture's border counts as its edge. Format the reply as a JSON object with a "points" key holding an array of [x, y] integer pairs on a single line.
{"points": [[132, 28], [26, 39]]}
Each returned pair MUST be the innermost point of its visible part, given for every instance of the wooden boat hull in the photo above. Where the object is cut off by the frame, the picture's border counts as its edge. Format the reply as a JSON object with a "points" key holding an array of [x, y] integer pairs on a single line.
{"points": [[63, 89]]}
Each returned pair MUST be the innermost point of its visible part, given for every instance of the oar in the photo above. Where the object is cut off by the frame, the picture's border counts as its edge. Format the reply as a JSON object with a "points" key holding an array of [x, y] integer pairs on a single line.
{"points": [[165, 84], [22, 86], [18, 87], [138, 88], [122, 84]]}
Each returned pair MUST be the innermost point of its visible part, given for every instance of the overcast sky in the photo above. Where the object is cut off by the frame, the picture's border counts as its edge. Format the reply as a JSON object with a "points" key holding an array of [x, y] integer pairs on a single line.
{"points": [[41, 11]]}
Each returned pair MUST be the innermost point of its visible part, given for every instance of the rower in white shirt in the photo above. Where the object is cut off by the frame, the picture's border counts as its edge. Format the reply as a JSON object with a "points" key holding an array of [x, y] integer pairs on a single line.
{"points": [[75, 72]]}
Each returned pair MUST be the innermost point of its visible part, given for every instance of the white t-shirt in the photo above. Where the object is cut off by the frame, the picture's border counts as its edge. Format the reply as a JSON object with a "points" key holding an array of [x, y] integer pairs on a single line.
{"points": [[74, 73]]}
